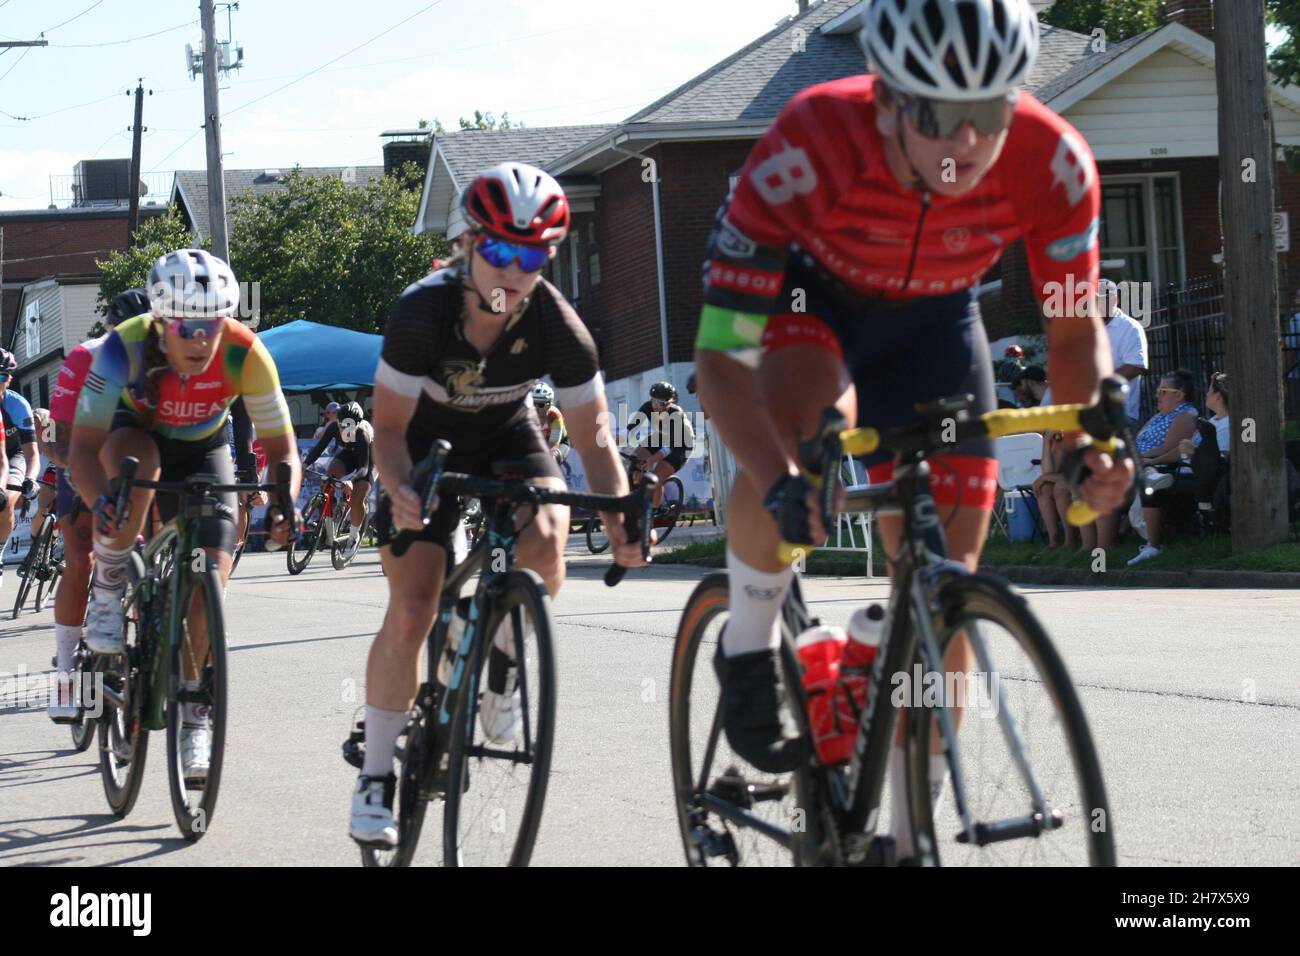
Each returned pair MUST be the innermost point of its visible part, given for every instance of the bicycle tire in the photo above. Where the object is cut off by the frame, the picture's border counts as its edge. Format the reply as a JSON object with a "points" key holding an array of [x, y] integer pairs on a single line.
{"points": [[523, 589], [597, 539], [710, 599], [311, 539], [341, 554], [671, 505], [47, 576], [125, 723], [979, 596], [234, 562], [409, 804], [194, 823]]}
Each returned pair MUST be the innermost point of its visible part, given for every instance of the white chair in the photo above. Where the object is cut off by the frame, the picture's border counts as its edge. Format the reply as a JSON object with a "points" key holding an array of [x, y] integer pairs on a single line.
{"points": [[1020, 464]]}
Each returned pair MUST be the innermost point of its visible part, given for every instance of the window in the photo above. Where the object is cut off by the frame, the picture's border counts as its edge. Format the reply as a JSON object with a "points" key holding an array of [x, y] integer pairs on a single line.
{"points": [[1141, 223], [593, 257], [44, 386], [574, 271], [33, 329]]}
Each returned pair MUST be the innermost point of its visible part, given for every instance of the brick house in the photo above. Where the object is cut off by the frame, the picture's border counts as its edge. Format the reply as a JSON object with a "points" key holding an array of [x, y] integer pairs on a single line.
{"points": [[1147, 106]]}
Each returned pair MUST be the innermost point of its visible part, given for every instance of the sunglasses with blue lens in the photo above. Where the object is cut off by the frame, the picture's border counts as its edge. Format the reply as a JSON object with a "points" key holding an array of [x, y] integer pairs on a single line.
{"points": [[499, 254], [189, 328]]}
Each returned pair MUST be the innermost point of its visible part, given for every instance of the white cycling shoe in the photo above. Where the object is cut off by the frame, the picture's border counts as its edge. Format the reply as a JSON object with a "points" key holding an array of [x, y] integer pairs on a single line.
{"points": [[372, 812], [63, 707], [104, 615], [500, 712], [196, 755]]}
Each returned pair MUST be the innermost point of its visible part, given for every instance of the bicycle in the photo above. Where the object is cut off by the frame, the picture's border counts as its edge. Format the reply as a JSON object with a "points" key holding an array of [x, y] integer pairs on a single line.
{"points": [[665, 516], [43, 564], [828, 815], [442, 746], [321, 525], [141, 688]]}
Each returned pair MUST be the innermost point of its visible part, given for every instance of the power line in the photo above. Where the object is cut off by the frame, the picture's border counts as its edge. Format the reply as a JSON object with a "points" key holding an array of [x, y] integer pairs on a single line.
{"points": [[16, 62], [184, 143], [146, 36], [77, 17], [304, 76]]}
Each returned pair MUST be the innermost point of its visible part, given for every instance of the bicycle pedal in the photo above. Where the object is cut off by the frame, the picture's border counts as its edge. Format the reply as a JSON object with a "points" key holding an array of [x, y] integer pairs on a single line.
{"points": [[712, 843], [861, 849], [354, 748]]}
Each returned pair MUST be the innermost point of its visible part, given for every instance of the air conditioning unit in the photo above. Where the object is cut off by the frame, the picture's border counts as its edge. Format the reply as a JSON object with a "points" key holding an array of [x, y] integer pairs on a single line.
{"points": [[101, 181]]}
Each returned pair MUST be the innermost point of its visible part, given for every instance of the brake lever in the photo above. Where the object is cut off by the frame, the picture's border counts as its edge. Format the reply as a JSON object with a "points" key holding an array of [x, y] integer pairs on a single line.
{"points": [[639, 528], [429, 469]]}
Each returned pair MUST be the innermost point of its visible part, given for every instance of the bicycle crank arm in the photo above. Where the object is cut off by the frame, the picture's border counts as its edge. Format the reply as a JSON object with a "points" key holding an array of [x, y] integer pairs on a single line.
{"points": [[1031, 826], [735, 814]]}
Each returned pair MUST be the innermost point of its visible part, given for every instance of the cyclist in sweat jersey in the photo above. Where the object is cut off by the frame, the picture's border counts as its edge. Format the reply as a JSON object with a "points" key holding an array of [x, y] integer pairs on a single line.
{"points": [[21, 461], [160, 390], [74, 517], [840, 273], [462, 351]]}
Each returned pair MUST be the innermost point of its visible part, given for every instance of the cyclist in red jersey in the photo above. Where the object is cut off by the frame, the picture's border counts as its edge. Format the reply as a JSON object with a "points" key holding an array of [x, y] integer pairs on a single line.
{"points": [[840, 273]]}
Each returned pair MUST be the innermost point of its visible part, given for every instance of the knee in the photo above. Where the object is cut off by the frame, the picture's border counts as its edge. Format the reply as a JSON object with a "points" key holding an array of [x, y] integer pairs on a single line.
{"points": [[409, 619]]}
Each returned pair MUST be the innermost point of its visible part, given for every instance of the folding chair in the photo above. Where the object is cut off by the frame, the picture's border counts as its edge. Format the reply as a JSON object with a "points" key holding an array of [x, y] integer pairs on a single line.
{"points": [[1020, 463]]}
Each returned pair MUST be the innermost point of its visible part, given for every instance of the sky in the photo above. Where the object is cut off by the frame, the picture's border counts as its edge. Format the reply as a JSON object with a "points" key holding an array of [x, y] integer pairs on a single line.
{"points": [[314, 92]]}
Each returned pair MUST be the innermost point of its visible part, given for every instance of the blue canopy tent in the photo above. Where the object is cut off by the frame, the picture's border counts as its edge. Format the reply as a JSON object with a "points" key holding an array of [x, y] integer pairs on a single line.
{"points": [[312, 356]]}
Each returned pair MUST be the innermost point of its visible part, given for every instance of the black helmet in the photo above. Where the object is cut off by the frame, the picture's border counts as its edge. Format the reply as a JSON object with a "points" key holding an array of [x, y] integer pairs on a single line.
{"points": [[127, 305], [663, 391], [690, 384], [353, 411]]}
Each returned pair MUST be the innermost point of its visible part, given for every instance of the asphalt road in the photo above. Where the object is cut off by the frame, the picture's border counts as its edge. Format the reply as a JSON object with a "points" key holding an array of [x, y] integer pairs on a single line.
{"points": [[1193, 698]]}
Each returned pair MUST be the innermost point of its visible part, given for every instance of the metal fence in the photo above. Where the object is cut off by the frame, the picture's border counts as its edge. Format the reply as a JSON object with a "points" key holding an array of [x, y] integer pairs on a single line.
{"points": [[1186, 330]]}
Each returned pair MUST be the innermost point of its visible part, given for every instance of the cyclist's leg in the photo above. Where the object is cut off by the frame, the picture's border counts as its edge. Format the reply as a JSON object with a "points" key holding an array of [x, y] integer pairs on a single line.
{"points": [[14, 475], [70, 598], [360, 492], [541, 545], [43, 501]]}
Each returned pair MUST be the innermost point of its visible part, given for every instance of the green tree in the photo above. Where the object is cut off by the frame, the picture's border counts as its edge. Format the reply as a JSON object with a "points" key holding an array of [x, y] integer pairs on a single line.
{"points": [[1120, 19], [333, 253], [1284, 58], [481, 120], [129, 268]]}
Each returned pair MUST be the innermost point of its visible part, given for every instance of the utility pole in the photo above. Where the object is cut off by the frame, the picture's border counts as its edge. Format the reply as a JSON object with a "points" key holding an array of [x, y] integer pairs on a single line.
{"points": [[133, 215], [1247, 169], [212, 122], [8, 43]]}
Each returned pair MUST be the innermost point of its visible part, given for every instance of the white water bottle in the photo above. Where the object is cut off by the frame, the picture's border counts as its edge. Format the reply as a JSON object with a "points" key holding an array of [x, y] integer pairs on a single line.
{"points": [[455, 631], [866, 627]]}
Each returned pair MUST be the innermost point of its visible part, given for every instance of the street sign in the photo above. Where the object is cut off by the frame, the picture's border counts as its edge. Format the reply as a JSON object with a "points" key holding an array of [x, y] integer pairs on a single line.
{"points": [[1281, 232]]}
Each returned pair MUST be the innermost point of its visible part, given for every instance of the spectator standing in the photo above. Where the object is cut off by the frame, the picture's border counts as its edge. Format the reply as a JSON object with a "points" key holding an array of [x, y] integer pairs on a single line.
{"points": [[1128, 346]]}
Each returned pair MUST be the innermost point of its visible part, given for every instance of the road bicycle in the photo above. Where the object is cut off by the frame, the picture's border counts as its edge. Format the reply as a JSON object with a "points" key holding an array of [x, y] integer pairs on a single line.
{"points": [[665, 516], [171, 583], [43, 564], [492, 791], [326, 520], [1025, 779]]}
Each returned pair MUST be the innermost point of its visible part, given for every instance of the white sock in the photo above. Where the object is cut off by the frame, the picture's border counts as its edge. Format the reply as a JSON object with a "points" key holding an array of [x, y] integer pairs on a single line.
{"points": [[902, 817], [504, 639], [383, 727], [193, 715], [756, 599], [110, 569], [66, 639]]}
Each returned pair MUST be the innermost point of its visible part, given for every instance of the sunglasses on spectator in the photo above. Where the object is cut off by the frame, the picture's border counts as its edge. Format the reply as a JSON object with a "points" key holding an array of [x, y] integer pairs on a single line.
{"points": [[940, 119], [1165, 388], [499, 254]]}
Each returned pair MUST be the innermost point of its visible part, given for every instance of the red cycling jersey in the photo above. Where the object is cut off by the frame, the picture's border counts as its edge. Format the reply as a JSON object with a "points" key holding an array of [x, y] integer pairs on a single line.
{"points": [[63, 398], [817, 184]]}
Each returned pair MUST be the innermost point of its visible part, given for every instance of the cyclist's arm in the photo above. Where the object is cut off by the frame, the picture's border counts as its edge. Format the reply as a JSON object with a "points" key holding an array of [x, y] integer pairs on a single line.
{"points": [[590, 435], [736, 409], [330, 431], [108, 376], [242, 426], [269, 413], [391, 415]]}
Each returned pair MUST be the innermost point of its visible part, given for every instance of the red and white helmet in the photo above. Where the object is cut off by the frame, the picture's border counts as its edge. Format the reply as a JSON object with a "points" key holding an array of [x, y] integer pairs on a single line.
{"points": [[518, 203]]}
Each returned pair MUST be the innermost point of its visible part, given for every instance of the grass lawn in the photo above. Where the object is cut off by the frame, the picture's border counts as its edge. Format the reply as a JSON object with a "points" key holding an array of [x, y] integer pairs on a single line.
{"points": [[1183, 554]]}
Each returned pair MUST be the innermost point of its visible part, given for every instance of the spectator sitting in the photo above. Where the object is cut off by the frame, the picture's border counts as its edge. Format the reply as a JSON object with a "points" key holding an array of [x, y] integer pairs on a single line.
{"points": [[1030, 386], [1052, 494], [1158, 443]]}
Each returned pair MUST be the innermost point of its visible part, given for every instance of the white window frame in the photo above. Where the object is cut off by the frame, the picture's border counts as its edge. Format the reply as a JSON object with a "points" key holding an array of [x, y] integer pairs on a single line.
{"points": [[32, 328], [1158, 281]]}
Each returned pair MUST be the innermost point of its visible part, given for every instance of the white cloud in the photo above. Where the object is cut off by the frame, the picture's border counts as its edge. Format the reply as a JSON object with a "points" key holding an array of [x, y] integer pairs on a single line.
{"points": [[25, 175]]}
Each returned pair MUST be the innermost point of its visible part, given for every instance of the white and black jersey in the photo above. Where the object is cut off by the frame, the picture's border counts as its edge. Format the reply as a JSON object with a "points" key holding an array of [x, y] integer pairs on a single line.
{"points": [[465, 397]]}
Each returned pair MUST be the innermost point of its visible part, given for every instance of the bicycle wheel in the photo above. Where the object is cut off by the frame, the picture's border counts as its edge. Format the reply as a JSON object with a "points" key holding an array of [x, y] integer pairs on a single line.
{"points": [[123, 739], [47, 571], [83, 728], [1021, 702], [709, 777], [496, 788], [27, 571], [195, 801], [670, 507], [342, 549], [304, 544], [597, 539], [411, 800]]}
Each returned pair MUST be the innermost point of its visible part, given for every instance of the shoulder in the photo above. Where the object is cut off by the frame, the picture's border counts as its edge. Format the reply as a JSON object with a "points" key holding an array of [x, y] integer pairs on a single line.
{"points": [[236, 333], [1046, 155], [836, 103]]}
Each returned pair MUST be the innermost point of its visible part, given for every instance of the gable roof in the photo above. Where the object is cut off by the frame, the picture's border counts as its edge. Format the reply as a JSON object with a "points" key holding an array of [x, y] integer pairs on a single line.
{"points": [[191, 186]]}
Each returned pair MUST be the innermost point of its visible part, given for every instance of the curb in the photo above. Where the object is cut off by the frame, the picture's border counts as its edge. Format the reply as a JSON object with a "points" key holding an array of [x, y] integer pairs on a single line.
{"points": [[1205, 578]]}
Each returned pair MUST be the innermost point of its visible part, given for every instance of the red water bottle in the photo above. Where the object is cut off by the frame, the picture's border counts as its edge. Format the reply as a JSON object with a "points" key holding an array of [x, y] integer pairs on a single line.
{"points": [[866, 627], [820, 649]]}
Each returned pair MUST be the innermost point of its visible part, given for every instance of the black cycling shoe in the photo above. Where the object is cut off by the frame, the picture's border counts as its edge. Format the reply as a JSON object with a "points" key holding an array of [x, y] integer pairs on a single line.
{"points": [[751, 711]]}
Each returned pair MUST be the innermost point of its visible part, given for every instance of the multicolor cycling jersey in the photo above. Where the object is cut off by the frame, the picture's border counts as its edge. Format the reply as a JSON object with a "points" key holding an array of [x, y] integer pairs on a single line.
{"points": [[190, 408], [19, 422], [467, 397], [554, 430], [72, 376], [817, 187]]}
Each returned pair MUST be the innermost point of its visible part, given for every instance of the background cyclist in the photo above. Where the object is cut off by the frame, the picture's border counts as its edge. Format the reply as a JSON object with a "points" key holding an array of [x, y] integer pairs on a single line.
{"points": [[667, 437], [551, 419], [353, 462], [22, 462]]}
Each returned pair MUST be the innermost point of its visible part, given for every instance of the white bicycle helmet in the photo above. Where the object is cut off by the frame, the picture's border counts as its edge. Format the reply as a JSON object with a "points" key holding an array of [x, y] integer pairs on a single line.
{"points": [[192, 284], [543, 394], [951, 49]]}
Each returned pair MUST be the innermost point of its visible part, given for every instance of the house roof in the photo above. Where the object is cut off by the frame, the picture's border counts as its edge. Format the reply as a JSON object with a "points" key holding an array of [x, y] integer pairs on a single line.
{"points": [[469, 152], [191, 186], [756, 82], [98, 211], [1087, 64]]}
